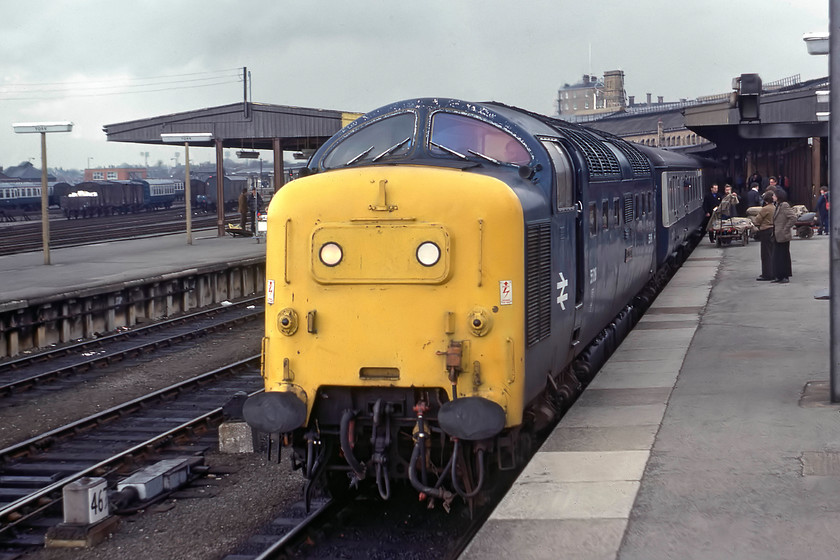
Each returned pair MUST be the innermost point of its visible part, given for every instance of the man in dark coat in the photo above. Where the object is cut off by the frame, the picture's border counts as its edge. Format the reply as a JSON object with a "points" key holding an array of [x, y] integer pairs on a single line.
{"points": [[254, 206], [753, 198], [243, 208], [710, 202]]}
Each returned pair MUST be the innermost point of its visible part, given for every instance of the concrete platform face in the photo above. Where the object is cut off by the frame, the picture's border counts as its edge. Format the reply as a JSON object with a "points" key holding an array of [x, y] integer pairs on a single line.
{"points": [[723, 383], [25, 276]]}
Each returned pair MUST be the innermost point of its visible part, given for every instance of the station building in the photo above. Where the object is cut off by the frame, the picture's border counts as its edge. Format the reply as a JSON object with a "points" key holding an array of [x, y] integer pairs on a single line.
{"points": [[786, 137]]}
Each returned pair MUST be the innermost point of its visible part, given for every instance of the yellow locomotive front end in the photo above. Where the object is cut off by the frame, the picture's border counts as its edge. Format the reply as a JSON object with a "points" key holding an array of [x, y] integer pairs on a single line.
{"points": [[394, 296]]}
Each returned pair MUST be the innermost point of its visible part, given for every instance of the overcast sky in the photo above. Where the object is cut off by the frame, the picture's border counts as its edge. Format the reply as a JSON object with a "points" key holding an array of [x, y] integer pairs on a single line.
{"points": [[98, 62]]}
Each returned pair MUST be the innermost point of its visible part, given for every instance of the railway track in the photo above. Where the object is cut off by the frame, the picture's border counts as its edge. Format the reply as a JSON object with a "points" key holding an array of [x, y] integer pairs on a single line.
{"points": [[21, 237], [73, 361], [366, 527], [110, 444]]}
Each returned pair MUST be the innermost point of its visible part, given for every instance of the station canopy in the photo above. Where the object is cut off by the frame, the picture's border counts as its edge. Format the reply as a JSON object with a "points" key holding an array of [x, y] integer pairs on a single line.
{"points": [[248, 126]]}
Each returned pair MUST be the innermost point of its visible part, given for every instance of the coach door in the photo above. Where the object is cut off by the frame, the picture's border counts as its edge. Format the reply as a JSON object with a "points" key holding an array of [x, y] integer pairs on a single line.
{"points": [[567, 249]]}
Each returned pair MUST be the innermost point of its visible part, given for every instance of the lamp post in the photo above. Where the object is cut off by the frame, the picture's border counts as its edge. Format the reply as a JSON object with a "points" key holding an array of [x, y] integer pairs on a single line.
{"points": [[186, 138], [828, 43], [42, 129]]}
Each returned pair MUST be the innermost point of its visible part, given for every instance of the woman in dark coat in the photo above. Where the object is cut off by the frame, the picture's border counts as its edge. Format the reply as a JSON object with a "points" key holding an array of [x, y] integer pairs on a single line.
{"points": [[822, 210], [764, 222], [783, 220]]}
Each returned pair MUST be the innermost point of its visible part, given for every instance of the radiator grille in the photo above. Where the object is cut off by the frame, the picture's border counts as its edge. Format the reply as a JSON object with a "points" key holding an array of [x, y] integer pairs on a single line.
{"points": [[628, 208], [538, 283]]}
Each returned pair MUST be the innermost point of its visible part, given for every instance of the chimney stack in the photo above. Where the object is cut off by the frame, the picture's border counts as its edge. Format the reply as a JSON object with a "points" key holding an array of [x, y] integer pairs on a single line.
{"points": [[648, 99], [659, 99], [632, 99]]}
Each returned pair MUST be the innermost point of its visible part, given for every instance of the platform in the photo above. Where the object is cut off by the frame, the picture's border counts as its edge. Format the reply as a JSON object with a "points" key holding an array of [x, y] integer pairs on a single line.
{"points": [[25, 276], [95, 289], [708, 434]]}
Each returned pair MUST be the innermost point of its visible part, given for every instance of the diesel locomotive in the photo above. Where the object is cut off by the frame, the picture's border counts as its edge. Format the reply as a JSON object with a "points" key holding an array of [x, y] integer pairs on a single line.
{"points": [[445, 279]]}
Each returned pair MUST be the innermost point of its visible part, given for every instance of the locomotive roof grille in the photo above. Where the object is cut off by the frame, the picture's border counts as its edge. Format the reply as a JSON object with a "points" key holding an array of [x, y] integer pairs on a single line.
{"points": [[601, 161], [639, 163]]}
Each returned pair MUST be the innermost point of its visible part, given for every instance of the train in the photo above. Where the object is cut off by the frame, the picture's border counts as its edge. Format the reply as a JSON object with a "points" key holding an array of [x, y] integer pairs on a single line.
{"points": [[24, 196], [444, 279], [205, 193], [105, 198]]}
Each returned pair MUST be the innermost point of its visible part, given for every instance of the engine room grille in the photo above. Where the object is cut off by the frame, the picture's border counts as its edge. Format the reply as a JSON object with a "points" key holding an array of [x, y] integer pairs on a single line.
{"points": [[639, 163], [538, 283], [629, 208], [601, 161]]}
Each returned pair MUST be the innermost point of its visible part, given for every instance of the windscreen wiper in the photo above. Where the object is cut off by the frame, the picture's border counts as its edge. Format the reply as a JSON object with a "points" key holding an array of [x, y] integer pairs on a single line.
{"points": [[484, 156], [448, 150], [358, 157], [392, 149]]}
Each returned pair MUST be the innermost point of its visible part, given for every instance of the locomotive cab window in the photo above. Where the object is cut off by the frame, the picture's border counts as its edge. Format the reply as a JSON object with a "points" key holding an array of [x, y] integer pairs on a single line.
{"points": [[464, 137], [391, 136], [564, 174]]}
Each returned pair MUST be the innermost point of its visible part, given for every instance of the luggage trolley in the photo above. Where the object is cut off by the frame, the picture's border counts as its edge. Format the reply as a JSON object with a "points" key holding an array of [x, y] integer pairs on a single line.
{"points": [[723, 231]]}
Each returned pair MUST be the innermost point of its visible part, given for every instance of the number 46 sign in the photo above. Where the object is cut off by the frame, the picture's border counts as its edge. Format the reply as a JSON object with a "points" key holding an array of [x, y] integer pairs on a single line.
{"points": [[86, 501]]}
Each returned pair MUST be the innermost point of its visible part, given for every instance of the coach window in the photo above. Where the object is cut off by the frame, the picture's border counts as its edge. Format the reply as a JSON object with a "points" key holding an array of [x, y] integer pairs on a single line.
{"points": [[379, 140], [563, 173]]}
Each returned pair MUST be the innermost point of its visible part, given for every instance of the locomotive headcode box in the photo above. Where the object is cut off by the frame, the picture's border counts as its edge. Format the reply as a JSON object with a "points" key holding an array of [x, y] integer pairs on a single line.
{"points": [[86, 501]]}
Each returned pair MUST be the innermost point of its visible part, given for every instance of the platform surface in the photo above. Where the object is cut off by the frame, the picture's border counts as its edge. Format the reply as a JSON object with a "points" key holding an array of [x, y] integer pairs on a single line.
{"points": [[708, 435], [25, 276]]}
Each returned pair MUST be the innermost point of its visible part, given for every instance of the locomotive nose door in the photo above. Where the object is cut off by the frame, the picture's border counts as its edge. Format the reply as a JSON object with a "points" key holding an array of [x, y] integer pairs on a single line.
{"points": [[566, 248]]}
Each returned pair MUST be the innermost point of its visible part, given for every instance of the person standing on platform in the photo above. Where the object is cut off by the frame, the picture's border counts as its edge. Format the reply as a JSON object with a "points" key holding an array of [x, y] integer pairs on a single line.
{"points": [[783, 220], [774, 184], [710, 202], [753, 197], [243, 209], [729, 203], [764, 222], [823, 208], [254, 205]]}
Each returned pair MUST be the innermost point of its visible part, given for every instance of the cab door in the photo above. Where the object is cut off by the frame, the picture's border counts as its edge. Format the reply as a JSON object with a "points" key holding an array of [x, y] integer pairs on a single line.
{"points": [[566, 252]]}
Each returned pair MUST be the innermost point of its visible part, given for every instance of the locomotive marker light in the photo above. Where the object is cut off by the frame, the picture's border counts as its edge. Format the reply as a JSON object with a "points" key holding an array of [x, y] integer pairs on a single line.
{"points": [[331, 254], [428, 253], [42, 129], [186, 138]]}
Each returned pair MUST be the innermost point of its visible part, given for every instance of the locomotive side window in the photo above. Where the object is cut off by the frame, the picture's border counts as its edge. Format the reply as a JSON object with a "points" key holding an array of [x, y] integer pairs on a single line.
{"points": [[464, 137], [617, 211], [564, 174], [605, 214], [386, 137], [593, 218]]}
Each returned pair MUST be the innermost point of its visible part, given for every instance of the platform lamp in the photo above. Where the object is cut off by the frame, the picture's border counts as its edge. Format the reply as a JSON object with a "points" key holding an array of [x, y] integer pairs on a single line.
{"points": [[185, 138], [828, 43], [43, 128]]}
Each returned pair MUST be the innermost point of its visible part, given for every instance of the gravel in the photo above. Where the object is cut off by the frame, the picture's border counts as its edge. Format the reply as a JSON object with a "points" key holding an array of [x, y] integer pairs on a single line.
{"points": [[216, 513]]}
